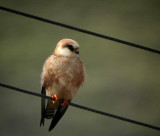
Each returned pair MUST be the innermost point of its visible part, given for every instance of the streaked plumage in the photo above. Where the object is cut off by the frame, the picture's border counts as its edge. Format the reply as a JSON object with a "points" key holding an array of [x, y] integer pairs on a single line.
{"points": [[63, 74]]}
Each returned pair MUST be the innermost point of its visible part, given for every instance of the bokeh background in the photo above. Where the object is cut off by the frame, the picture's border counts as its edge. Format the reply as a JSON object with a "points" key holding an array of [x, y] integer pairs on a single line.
{"points": [[120, 79]]}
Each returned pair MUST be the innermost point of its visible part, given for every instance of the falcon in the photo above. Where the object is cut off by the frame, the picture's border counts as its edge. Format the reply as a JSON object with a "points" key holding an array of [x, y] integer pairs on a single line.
{"points": [[63, 73]]}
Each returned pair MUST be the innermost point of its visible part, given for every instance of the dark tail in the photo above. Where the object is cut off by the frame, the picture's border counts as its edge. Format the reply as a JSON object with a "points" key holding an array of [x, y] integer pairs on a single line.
{"points": [[50, 110], [58, 115]]}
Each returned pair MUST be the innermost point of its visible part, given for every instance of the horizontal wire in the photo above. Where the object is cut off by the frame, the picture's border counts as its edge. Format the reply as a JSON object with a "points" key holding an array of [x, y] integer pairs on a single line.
{"points": [[84, 107], [80, 30]]}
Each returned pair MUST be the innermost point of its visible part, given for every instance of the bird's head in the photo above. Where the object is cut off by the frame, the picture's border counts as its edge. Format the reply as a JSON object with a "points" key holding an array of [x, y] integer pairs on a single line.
{"points": [[67, 48]]}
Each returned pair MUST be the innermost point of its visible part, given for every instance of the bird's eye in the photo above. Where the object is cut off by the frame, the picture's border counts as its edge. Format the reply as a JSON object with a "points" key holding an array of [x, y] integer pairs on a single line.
{"points": [[70, 47]]}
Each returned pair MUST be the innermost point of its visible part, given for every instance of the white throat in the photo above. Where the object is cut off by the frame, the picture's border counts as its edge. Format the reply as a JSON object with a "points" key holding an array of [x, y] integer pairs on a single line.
{"points": [[65, 52]]}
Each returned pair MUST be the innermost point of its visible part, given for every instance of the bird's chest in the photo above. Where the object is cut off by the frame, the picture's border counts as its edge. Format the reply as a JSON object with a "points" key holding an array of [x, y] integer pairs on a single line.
{"points": [[68, 67]]}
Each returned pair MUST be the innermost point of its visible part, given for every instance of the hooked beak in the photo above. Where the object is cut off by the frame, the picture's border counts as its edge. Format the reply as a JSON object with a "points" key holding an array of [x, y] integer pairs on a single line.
{"points": [[77, 52]]}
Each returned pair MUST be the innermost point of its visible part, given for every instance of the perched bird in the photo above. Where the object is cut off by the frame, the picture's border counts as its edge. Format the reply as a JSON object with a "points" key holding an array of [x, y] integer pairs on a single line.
{"points": [[63, 74]]}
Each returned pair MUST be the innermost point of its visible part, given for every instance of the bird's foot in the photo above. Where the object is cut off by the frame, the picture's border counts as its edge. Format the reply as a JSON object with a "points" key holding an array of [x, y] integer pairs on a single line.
{"points": [[65, 103], [55, 99]]}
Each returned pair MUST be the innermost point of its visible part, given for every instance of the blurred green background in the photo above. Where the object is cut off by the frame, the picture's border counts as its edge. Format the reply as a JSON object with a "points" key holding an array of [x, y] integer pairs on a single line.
{"points": [[120, 79]]}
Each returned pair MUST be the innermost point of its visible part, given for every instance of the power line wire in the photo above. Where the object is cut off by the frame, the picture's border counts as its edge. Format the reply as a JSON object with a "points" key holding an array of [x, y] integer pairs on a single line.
{"points": [[80, 30], [91, 33], [84, 107]]}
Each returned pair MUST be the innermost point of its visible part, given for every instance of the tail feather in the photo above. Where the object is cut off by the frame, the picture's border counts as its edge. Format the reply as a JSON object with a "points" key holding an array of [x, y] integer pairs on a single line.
{"points": [[58, 115], [49, 113], [50, 109]]}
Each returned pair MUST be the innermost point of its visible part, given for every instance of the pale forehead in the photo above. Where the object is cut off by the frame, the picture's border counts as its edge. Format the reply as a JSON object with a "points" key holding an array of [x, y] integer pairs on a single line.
{"points": [[65, 42]]}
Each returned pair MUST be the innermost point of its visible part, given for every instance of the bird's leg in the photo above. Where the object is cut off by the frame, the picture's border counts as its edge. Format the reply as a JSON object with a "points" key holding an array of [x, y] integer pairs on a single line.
{"points": [[65, 103], [55, 99]]}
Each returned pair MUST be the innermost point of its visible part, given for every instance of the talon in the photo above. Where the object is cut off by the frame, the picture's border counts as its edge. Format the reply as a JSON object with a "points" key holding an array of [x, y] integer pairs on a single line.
{"points": [[65, 103], [55, 99]]}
